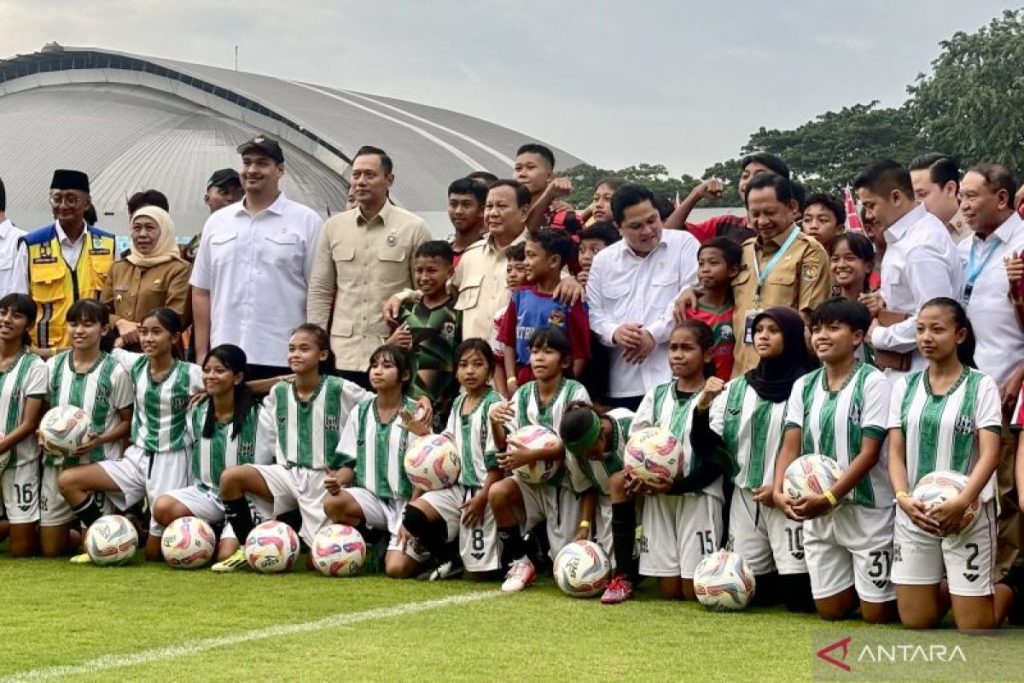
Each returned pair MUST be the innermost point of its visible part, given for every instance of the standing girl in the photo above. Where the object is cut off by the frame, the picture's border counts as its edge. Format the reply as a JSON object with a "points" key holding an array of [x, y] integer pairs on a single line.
{"points": [[852, 264], [22, 392], [88, 378]]}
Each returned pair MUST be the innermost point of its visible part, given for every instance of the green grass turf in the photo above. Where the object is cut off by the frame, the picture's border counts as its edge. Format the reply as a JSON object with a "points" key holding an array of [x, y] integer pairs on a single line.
{"points": [[57, 614]]}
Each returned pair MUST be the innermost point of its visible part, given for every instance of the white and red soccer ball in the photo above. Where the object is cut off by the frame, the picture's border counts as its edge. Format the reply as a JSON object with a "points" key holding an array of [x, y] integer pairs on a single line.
{"points": [[432, 463]]}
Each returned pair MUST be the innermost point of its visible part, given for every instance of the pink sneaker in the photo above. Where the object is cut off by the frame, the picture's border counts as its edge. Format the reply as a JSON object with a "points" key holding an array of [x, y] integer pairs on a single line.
{"points": [[520, 575], [619, 590]]}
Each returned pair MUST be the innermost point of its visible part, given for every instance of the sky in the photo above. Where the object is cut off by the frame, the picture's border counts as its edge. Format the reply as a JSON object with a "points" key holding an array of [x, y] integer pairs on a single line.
{"points": [[673, 82]]}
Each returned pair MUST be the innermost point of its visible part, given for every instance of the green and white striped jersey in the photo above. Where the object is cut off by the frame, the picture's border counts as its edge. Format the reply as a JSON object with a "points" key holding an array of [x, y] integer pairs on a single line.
{"points": [[158, 423], [210, 457], [941, 432], [598, 471], [26, 378], [751, 429], [101, 392], [306, 433], [834, 423], [376, 450], [470, 435], [530, 411], [664, 407]]}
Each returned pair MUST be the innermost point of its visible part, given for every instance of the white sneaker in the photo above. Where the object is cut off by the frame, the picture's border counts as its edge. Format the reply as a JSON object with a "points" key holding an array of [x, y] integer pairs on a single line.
{"points": [[447, 570], [520, 575]]}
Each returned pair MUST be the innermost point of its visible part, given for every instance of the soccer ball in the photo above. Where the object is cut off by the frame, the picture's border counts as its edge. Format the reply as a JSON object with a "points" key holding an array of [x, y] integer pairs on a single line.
{"points": [[938, 487], [811, 474], [272, 547], [338, 550], [582, 569], [653, 455], [188, 542], [432, 463], [723, 581], [111, 540], [63, 429], [533, 437]]}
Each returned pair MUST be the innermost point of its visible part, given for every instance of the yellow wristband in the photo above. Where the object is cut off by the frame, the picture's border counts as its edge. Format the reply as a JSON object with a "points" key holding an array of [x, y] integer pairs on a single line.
{"points": [[830, 497], [902, 494], [584, 524]]}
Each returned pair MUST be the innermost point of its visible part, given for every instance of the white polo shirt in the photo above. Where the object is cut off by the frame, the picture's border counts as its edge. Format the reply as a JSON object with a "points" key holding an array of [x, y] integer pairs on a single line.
{"points": [[13, 261], [257, 269], [1000, 342], [625, 287]]}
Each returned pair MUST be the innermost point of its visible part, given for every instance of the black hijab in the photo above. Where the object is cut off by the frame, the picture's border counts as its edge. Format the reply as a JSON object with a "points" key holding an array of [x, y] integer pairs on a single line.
{"points": [[773, 378]]}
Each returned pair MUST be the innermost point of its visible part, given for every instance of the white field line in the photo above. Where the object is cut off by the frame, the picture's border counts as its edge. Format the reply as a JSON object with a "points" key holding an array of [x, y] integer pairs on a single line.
{"points": [[192, 647]]}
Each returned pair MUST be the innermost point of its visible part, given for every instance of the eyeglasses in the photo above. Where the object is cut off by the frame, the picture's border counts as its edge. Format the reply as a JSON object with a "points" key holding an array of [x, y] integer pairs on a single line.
{"points": [[69, 200]]}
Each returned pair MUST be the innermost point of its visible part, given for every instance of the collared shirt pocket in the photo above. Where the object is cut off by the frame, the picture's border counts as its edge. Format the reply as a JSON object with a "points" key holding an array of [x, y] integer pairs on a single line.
{"points": [[282, 249], [469, 292], [222, 247], [344, 257]]}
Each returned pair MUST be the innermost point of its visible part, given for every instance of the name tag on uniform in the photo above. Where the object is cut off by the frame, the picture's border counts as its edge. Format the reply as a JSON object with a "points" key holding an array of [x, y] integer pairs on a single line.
{"points": [[748, 326], [99, 252], [43, 259]]}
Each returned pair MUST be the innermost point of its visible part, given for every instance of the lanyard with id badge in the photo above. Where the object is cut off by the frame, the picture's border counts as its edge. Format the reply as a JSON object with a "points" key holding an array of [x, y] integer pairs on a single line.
{"points": [[762, 276], [974, 272]]}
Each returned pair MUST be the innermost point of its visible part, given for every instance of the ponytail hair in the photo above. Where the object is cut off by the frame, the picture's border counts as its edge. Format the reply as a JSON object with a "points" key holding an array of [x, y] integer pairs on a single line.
{"points": [[22, 303], [965, 349], [234, 359], [170, 321], [327, 366]]}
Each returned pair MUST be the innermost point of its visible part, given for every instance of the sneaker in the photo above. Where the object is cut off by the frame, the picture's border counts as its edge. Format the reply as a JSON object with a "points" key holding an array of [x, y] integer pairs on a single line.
{"points": [[520, 575], [450, 569], [619, 590], [82, 558], [232, 564]]}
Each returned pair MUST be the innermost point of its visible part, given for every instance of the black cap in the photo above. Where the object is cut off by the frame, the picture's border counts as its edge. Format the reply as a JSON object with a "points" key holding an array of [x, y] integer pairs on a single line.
{"points": [[225, 177], [63, 179], [263, 144]]}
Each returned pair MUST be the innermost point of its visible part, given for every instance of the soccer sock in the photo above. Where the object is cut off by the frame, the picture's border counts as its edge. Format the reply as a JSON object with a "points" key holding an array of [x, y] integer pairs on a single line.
{"points": [[796, 592], [88, 511], [767, 592], [370, 536], [512, 545], [432, 535], [238, 514], [623, 537]]}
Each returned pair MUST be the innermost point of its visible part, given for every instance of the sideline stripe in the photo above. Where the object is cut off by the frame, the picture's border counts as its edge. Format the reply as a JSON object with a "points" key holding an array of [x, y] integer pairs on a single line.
{"points": [[191, 647]]}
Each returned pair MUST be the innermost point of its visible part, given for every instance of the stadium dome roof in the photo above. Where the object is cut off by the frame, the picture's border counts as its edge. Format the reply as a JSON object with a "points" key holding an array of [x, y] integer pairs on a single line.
{"points": [[135, 122]]}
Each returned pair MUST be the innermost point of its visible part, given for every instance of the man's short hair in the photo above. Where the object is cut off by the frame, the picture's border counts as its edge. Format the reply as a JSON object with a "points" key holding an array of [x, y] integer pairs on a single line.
{"points": [[769, 161], [534, 148], [483, 177], [553, 242], [385, 160], [731, 251], [516, 252], [884, 176], [783, 186], [436, 249], [468, 186], [147, 198], [997, 177], [602, 230], [629, 195], [831, 202], [523, 195], [941, 168]]}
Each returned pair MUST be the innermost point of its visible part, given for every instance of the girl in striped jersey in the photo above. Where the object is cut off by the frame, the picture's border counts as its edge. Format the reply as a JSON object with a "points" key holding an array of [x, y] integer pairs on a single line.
{"points": [[88, 378], [750, 417], [370, 489], [437, 518], [299, 427], [221, 430], [597, 441], [682, 519], [946, 417], [840, 411], [542, 401], [22, 392], [158, 459]]}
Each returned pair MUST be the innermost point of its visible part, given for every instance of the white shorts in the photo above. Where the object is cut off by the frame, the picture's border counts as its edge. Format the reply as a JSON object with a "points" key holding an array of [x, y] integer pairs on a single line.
{"points": [[764, 536], [558, 507], [296, 487], [20, 490], [53, 509], [851, 546], [205, 504], [967, 559], [478, 545], [679, 531], [384, 515], [140, 475]]}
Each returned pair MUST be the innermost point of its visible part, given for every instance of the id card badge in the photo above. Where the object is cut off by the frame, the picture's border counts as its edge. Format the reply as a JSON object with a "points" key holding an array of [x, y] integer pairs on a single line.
{"points": [[966, 298], [748, 325]]}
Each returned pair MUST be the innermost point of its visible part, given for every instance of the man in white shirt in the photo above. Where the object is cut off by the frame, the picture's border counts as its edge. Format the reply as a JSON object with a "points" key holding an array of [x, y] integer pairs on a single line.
{"points": [[251, 273], [920, 261], [936, 179], [631, 290], [13, 262], [987, 193]]}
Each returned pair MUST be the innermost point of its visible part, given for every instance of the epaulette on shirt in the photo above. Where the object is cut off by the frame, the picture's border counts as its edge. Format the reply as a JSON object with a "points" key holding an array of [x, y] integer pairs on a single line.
{"points": [[47, 232]]}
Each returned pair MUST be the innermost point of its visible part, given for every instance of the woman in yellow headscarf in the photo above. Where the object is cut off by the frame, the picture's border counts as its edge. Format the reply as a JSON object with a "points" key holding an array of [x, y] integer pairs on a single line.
{"points": [[153, 275]]}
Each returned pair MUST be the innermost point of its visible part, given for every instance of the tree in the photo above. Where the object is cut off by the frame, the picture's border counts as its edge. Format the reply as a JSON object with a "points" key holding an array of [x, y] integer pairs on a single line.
{"points": [[972, 104], [585, 179]]}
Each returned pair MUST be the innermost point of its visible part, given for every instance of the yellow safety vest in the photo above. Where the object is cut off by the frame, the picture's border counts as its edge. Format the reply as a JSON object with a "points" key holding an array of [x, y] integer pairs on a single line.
{"points": [[54, 286]]}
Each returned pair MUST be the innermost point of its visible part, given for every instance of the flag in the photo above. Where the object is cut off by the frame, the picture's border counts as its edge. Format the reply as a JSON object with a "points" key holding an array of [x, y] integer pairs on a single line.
{"points": [[853, 221]]}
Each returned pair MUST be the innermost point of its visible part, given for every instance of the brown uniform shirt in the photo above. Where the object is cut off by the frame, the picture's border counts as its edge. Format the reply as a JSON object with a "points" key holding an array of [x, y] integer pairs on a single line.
{"points": [[800, 280], [131, 292]]}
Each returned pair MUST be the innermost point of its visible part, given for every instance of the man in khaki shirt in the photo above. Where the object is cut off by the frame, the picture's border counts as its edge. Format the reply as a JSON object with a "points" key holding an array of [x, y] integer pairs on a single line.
{"points": [[780, 267], [364, 256]]}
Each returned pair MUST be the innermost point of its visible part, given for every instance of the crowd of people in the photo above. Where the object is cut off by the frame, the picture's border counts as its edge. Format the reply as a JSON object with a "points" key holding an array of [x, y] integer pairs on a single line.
{"points": [[324, 349]]}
